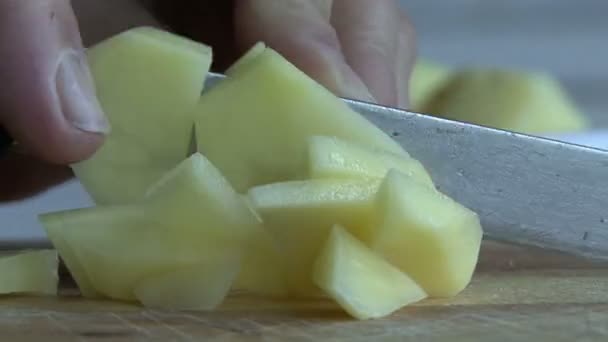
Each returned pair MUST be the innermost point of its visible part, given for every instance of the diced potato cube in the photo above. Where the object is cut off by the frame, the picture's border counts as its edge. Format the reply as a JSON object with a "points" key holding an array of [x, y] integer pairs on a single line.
{"points": [[427, 235], [29, 272], [300, 214], [199, 287], [147, 83], [362, 282], [331, 157], [254, 125]]}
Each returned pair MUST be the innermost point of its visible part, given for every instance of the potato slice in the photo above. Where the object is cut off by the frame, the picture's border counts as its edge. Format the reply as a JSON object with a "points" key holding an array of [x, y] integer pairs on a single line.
{"points": [[362, 282], [428, 77], [300, 214], [330, 157], [30, 272], [195, 195], [526, 102], [193, 215], [147, 82], [254, 125], [199, 287], [427, 235]]}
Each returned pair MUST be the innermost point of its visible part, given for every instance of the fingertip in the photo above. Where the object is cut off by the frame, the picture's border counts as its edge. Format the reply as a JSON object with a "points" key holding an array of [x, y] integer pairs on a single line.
{"points": [[300, 31]]}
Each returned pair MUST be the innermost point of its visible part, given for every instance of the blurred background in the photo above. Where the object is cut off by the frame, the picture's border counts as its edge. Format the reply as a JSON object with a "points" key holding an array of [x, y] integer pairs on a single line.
{"points": [[566, 38]]}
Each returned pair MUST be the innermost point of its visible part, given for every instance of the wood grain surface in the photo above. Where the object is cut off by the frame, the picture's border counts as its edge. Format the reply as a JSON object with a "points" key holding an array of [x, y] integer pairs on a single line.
{"points": [[518, 294]]}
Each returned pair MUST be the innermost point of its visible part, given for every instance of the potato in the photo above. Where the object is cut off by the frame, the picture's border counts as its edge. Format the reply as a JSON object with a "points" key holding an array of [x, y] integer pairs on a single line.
{"points": [[428, 77], [190, 216], [330, 157], [526, 102], [147, 82], [299, 214], [199, 287], [254, 125], [361, 281], [426, 234], [29, 272]]}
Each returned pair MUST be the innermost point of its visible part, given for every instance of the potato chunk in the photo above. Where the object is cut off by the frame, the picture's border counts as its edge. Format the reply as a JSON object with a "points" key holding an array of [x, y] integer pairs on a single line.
{"points": [[427, 235], [362, 282], [29, 272]]}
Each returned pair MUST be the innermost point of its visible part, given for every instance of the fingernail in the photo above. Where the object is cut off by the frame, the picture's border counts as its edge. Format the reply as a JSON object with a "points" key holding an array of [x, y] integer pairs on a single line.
{"points": [[76, 94]]}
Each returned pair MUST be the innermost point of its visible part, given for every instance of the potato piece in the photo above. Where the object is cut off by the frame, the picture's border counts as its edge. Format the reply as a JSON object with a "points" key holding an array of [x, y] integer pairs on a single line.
{"points": [[195, 195], [299, 214], [147, 82], [331, 157], [199, 287], [30, 272], [428, 77], [240, 65], [254, 125], [427, 235], [262, 270], [512, 100], [193, 215], [363, 283]]}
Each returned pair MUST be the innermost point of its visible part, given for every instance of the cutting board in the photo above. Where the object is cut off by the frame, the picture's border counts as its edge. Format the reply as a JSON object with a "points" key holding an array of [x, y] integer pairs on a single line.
{"points": [[517, 294]]}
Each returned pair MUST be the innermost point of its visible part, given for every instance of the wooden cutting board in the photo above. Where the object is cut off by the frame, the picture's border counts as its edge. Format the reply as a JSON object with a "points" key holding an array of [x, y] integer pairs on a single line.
{"points": [[518, 294]]}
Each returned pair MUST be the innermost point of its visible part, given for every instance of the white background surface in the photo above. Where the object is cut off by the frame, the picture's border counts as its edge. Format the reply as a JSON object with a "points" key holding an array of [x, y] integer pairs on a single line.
{"points": [[565, 37]]}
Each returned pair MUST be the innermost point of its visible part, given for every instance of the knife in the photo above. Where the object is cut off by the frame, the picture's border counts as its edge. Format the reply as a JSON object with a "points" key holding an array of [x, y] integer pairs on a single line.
{"points": [[526, 190]]}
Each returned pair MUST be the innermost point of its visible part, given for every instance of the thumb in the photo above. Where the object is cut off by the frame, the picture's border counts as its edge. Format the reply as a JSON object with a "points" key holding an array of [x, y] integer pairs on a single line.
{"points": [[48, 103]]}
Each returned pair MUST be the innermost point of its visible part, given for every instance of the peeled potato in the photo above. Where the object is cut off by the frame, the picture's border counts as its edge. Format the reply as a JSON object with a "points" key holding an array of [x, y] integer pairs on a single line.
{"points": [[330, 157], [300, 214], [427, 235], [30, 272], [362, 282], [526, 102], [147, 82], [254, 125]]}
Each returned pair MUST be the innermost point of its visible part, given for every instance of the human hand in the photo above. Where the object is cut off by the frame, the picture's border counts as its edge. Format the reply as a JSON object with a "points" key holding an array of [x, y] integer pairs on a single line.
{"points": [[358, 49]]}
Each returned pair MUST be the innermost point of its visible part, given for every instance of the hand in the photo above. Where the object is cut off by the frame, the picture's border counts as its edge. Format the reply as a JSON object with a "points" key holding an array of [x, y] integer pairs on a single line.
{"points": [[358, 49]]}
